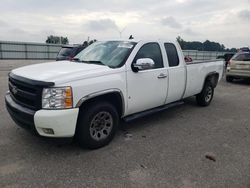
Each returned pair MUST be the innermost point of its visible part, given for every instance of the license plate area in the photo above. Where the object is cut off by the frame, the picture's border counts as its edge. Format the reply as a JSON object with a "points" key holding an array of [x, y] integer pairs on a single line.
{"points": [[245, 67]]}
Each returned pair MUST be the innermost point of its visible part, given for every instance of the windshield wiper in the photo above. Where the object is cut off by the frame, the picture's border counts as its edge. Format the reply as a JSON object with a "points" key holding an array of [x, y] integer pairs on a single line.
{"points": [[91, 62], [75, 59], [96, 62]]}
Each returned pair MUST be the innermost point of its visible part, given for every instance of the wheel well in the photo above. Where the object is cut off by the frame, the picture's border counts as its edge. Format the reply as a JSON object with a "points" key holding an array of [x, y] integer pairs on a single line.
{"points": [[212, 78], [114, 98]]}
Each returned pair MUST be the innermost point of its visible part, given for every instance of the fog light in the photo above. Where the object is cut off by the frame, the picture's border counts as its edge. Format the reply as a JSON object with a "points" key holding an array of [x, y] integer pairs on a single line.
{"points": [[48, 131]]}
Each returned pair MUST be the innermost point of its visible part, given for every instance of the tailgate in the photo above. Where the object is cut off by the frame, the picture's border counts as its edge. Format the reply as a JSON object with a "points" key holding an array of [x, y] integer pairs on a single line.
{"points": [[240, 65], [241, 61]]}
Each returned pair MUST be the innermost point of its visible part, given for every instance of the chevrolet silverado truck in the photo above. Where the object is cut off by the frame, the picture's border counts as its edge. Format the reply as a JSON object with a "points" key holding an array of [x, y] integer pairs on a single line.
{"points": [[109, 81]]}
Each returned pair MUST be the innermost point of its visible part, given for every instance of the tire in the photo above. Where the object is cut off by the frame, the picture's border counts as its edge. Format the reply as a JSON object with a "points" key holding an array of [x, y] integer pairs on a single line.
{"points": [[206, 96], [97, 124], [229, 79]]}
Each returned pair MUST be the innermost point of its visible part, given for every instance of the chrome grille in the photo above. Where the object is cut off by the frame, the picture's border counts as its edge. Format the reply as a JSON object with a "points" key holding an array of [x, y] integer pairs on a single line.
{"points": [[25, 94]]}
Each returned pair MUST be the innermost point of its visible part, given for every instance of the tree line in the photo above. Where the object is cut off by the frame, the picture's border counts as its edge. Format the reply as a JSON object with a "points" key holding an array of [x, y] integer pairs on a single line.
{"points": [[185, 45], [203, 46], [57, 40], [64, 40]]}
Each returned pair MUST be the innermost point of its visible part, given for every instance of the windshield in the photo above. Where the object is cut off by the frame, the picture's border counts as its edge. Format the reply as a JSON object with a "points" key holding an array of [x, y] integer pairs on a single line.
{"points": [[242, 57], [109, 53]]}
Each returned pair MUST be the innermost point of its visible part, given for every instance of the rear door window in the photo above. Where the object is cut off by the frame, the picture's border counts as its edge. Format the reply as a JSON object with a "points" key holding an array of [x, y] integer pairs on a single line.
{"points": [[242, 57], [173, 58]]}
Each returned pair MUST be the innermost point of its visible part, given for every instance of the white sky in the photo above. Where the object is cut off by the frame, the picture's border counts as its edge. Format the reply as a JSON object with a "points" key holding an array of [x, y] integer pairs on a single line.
{"points": [[224, 21]]}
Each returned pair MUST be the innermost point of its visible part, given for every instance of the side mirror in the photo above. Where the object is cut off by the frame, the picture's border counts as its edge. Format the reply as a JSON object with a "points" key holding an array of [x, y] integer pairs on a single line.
{"points": [[143, 64]]}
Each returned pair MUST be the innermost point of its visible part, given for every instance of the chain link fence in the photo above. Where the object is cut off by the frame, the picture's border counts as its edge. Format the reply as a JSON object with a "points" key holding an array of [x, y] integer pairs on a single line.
{"points": [[24, 50], [202, 55]]}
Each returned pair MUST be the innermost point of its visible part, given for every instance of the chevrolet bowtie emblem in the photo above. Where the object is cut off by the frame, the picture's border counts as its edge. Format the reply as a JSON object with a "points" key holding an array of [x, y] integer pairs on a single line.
{"points": [[14, 90]]}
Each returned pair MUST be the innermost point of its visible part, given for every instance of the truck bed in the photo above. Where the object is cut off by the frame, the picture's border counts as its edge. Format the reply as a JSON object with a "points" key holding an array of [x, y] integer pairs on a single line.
{"points": [[197, 71]]}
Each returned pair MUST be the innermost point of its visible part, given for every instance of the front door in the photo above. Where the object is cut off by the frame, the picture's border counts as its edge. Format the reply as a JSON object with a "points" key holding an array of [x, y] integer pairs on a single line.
{"points": [[147, 88]]}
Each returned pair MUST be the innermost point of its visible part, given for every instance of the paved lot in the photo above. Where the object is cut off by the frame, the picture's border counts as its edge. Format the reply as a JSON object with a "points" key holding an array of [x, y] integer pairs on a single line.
{"points": [[163, 150]]}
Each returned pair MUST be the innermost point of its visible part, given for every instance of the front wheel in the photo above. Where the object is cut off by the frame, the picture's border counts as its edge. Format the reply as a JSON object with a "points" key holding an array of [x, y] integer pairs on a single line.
{"points": [[205, 97], [97, 124]]}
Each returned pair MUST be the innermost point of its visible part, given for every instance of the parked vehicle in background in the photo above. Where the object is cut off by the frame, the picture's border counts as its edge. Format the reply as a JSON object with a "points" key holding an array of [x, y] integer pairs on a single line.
{"points": [[106, 82], [244, 49], [226, 57], [239, 66], [68, 52], [220, 57]]}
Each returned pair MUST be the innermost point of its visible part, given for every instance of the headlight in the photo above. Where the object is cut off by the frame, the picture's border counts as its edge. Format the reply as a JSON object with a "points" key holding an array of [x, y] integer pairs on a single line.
{"points": [[57, 98]]}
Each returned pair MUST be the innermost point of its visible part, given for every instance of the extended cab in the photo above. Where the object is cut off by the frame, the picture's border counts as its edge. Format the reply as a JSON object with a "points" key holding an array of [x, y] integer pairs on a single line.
{"points": [[106, 82]]}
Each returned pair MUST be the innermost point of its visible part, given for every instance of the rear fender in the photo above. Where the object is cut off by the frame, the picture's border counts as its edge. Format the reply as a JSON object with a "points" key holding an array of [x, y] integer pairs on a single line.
{"points": [[213, 78]]}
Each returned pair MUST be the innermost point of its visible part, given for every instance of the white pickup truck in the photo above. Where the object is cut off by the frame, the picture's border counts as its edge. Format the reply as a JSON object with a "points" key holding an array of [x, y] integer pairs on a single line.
{"points": [[106, 82]]}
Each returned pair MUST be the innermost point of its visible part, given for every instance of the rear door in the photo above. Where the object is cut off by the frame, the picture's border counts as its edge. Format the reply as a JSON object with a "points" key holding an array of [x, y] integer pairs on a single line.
{"points": [[147, 88], [177, 73]]}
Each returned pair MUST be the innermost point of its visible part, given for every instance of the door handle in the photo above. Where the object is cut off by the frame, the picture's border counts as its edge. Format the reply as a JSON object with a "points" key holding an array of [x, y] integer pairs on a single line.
{"points": [[162, 76]]}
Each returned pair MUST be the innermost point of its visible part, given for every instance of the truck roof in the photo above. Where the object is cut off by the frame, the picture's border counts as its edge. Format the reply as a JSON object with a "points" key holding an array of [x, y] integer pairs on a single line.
{"points": [[139, 40]]}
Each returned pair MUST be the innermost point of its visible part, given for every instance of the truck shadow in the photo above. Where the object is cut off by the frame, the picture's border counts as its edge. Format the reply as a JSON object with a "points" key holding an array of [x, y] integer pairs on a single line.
{"points": [[245, 82], [164, 116]]}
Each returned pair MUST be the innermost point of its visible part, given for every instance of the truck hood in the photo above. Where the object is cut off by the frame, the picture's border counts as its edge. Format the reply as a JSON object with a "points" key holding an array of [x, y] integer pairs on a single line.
{"points": [[61, 71]]}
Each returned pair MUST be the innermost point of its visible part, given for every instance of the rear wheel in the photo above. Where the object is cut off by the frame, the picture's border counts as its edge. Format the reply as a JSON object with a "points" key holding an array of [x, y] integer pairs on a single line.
{"points": [[97, 124], [229, 78], [205, 97]]}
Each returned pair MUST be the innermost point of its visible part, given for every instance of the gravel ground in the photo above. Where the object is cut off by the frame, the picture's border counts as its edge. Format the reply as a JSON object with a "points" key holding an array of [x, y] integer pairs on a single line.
{"points": [[167, 149]]}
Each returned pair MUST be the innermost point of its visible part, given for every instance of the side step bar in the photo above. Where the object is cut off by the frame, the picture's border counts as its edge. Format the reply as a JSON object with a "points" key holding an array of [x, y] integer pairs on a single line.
{"points": [[151, 111]]}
